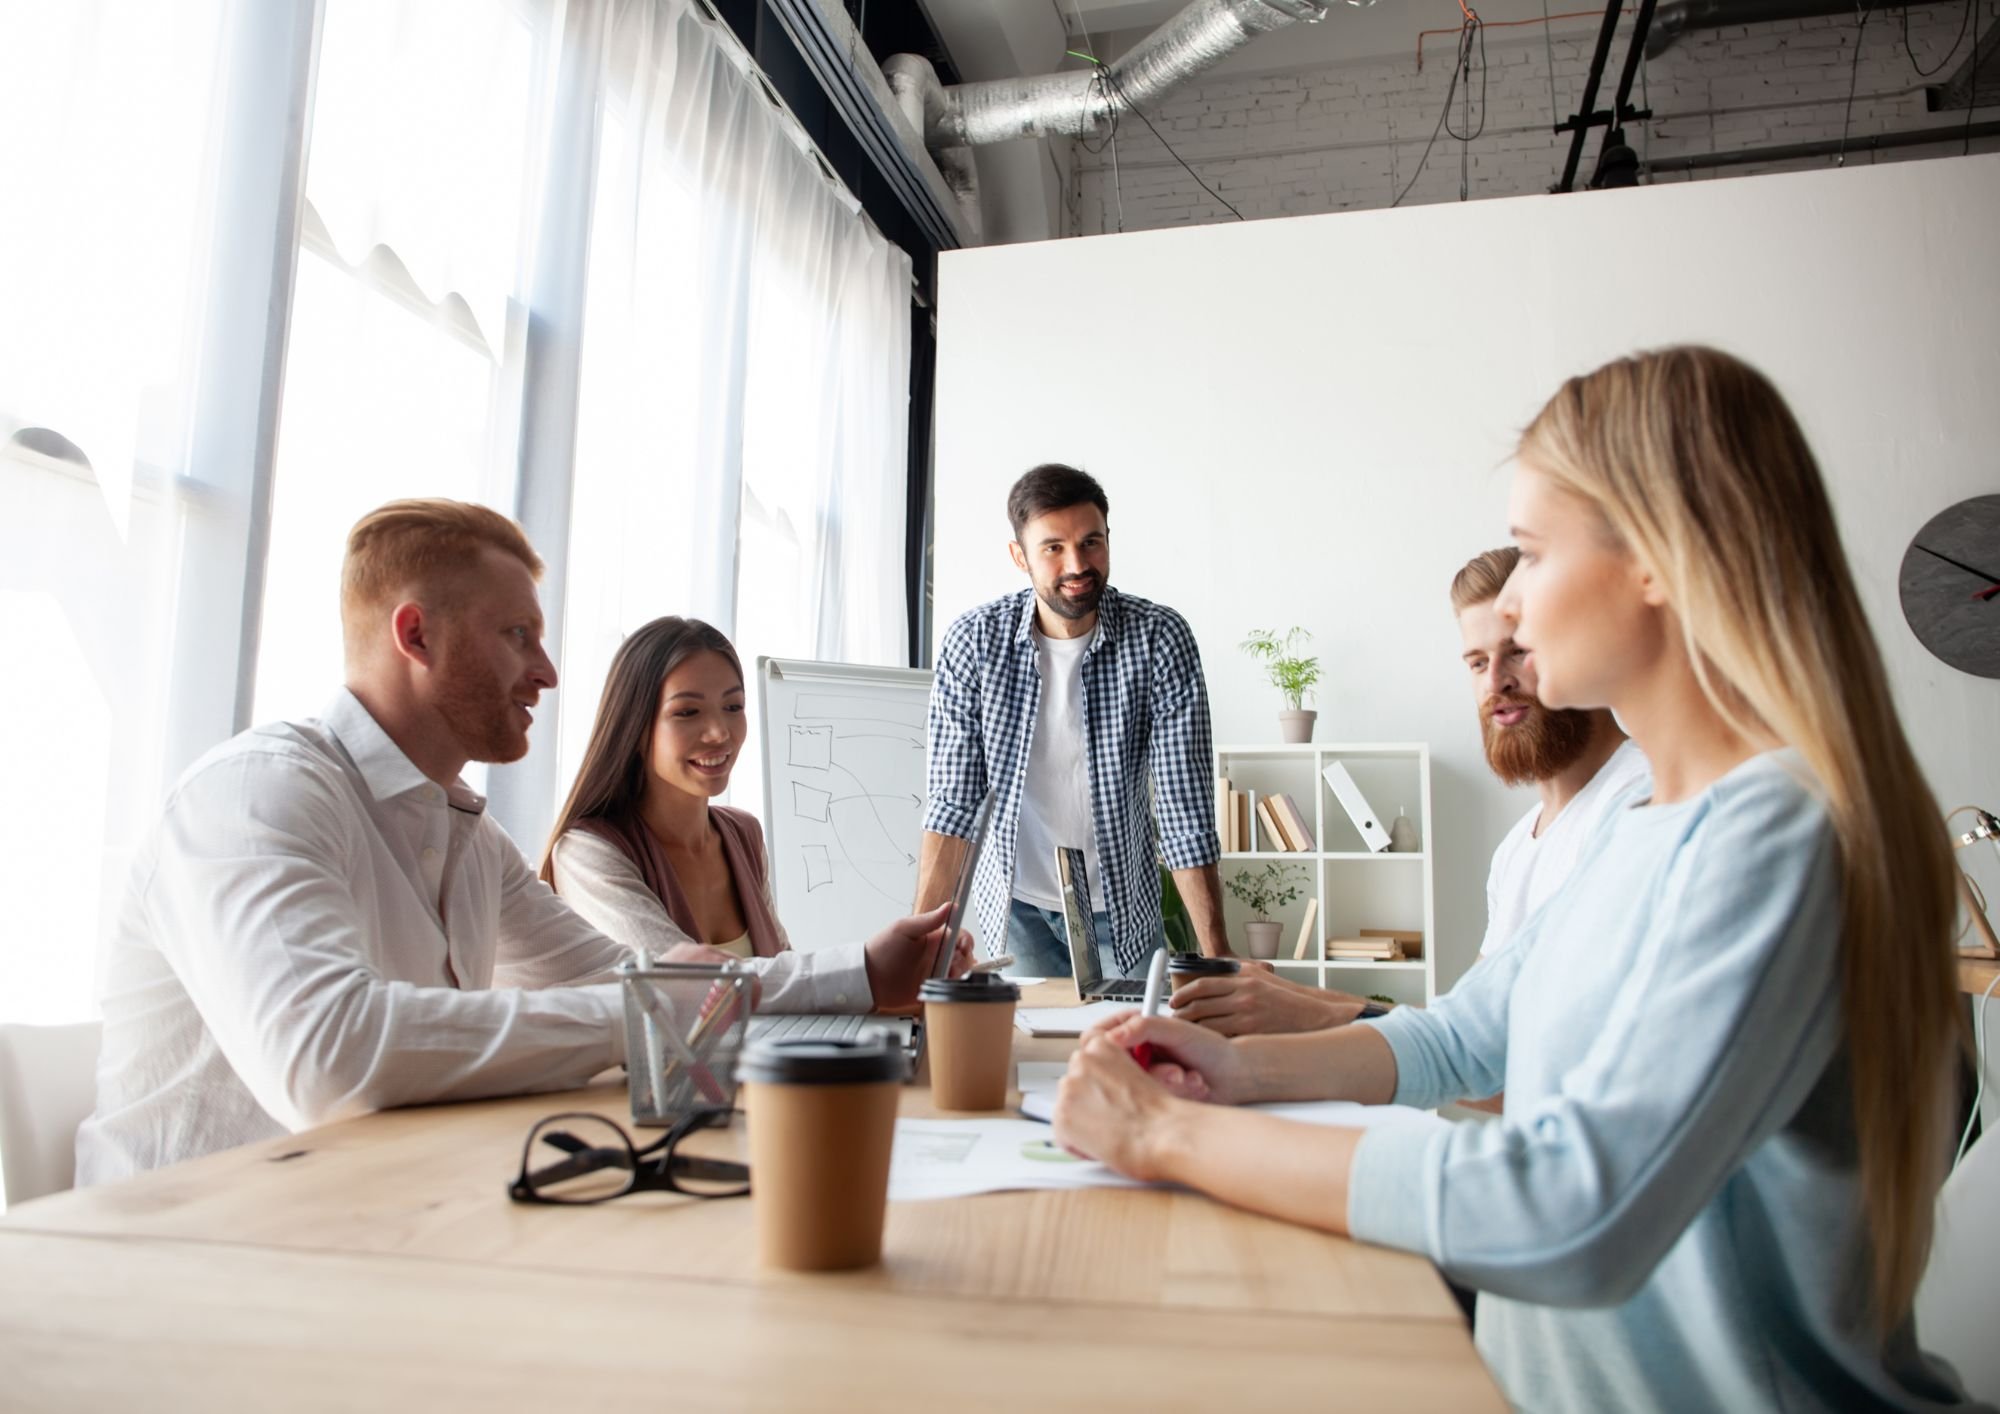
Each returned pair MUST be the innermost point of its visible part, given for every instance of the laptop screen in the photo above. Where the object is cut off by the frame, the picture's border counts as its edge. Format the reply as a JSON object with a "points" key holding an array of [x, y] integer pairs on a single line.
{"points": [[961, 892], [1083, 961]]}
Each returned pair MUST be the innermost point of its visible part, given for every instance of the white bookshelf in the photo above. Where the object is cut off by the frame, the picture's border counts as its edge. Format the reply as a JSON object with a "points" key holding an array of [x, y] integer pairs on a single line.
{"points": [[1356, 889]]}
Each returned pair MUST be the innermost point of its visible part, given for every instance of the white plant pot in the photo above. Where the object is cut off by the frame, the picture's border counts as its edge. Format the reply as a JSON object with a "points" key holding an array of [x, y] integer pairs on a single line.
{"points": [[1263, 938], [1296, 727]]}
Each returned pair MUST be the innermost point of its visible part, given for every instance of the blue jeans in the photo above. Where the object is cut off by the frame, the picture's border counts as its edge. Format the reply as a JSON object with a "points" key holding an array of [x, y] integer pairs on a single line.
{"points": [[1039, 942]]}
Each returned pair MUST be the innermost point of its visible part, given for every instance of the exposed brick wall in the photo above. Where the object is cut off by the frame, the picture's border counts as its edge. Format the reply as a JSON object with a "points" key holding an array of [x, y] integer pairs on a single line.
{"points": [[1349, 136]]}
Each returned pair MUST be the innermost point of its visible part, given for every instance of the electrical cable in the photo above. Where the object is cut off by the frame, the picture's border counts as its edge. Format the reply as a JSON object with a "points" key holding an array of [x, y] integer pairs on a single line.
{"points": [[1548, 48], [1422, 35], [1645, 133], [1478, 27], [1465, 103], [1117, 181], [1119, 93], [1853, 73], [1088, 89], [1464, 53], [1911, 54]]}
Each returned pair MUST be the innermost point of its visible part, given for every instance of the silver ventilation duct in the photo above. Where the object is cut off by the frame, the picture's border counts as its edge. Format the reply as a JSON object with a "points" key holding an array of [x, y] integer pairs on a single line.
{"points": [[1078, 103], [914, 82]]}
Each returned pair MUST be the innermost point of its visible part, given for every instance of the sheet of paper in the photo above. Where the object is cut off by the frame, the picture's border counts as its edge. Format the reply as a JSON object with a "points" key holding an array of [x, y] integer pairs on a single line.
{"points": [[956, 1158], [1066, 1020], [1039, 1104]]}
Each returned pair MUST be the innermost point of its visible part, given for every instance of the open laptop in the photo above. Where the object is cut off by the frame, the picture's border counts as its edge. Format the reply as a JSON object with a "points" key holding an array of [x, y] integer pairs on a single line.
{"points": [[1084, 963], [827, 1026]]}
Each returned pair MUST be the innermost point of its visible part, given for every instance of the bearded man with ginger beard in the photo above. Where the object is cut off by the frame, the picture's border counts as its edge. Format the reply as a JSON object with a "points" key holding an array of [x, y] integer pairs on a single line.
{"points": [[1580, 763]]}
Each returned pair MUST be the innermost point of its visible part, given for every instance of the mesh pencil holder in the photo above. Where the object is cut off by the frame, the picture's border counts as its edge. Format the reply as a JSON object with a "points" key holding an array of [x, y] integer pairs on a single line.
{"points": [[684, 1028]]}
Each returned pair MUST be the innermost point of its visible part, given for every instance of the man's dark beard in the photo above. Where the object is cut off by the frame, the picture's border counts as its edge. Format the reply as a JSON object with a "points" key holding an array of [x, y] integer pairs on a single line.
{"points": [[1542, 744], [1074, 608]]}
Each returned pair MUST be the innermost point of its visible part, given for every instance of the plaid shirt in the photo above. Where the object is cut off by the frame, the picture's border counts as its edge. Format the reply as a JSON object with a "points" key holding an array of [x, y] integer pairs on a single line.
{"points": [[1145, 713]]}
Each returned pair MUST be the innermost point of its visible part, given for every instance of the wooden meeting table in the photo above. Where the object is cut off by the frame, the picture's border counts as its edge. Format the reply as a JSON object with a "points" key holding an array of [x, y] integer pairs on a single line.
{"points": [[379, 1263]]}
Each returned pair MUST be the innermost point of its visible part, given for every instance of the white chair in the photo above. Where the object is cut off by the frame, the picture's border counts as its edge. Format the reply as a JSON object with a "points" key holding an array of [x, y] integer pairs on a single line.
{"points": [[48, 1083], [1958, 1304]]}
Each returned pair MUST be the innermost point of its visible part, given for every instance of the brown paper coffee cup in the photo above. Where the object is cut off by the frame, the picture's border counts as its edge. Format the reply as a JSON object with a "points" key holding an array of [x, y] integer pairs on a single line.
{"points": [[1185, 969], [822, 1117], [971, 1048]]}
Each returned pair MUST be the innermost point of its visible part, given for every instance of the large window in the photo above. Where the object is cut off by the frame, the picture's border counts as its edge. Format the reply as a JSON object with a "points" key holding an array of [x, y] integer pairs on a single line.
{"points": [[399, 380], [565, 257]]}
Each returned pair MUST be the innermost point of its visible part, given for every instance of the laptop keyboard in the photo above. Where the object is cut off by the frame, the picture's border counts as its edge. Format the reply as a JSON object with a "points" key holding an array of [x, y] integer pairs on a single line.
{"points": [[805, 1026], [1125, 991]]}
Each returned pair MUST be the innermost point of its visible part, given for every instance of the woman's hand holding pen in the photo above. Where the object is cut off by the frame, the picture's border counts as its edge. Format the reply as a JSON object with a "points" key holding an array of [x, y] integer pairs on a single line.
{"points": [[1108, 1109]]}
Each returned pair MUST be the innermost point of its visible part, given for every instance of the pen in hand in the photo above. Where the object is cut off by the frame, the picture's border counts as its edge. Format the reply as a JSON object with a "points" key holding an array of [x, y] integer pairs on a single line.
{"points": [[1156, 987]]}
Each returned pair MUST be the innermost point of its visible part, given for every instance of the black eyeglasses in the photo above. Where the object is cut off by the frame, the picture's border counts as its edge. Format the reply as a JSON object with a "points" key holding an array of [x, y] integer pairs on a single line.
{"points": [[590, 1159]]}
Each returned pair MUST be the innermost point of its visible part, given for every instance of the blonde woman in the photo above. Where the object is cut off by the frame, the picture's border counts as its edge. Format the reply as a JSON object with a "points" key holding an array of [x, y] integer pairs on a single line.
{"points": [[1726, 1042]]}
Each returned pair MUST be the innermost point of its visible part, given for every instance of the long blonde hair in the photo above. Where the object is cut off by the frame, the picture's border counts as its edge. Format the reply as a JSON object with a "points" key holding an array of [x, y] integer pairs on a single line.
{"points": [[1699, 467]]}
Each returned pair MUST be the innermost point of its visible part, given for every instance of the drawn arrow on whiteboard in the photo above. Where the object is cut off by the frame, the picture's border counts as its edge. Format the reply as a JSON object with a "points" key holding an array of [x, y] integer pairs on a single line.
{"points": [[915, 800], [880, 824], [862, 874]]}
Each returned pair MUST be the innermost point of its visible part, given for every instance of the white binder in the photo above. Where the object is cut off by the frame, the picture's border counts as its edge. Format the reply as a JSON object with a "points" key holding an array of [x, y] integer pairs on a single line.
{"points": [[1357, 807]]}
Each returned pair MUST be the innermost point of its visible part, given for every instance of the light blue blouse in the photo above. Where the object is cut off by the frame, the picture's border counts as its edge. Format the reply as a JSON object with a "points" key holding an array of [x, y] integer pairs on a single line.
{"points": [[1669, 1215]]}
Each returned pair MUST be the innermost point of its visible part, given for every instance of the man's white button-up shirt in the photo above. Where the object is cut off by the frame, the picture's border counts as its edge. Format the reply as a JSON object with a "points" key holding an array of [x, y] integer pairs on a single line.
{"points": [[313, 930]]}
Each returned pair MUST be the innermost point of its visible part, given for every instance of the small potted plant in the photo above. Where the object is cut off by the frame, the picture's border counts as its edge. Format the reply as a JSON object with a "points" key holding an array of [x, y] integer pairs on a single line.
{"points": [[1273, 886], [1291, 674]]}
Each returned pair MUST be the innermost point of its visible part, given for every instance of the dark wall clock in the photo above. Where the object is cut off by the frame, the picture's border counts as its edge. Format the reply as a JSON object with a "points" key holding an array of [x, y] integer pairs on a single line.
{"points": [[1950, 586]]}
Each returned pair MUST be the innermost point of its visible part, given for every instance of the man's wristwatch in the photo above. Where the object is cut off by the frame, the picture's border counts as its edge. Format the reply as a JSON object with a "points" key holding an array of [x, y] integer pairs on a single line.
{"points": [[1370, 1010]]}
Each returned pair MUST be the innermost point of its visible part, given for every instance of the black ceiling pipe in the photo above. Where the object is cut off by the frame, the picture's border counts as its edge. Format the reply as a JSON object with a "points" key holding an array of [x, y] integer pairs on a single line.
{"points": [[1678, 17], [1828, 147]]}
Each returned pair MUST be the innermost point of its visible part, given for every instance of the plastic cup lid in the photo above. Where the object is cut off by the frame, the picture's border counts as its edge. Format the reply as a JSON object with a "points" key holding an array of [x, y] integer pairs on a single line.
{"points": [[873, 1056], [978, 987], [1204, 966]]}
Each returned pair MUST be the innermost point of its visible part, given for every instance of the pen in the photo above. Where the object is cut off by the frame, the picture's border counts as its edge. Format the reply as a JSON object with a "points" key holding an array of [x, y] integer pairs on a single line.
{"points": [[1156, 986], [656, 1009]]}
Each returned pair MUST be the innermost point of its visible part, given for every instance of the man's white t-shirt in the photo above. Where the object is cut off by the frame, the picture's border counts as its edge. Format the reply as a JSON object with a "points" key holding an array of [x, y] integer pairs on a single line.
{"points": [[1528, 868], [1055, 797]]}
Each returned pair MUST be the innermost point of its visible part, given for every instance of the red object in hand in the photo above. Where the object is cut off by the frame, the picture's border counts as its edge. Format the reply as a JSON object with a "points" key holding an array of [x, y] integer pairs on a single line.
{"points": [[1144, 1054]]}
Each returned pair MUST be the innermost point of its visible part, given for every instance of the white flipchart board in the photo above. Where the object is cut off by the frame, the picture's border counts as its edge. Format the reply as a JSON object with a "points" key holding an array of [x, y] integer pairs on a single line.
{"points": [[843, 794]]}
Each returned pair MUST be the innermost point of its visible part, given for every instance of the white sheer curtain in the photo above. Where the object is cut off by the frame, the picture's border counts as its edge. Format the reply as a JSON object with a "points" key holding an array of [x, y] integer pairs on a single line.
{"points": [[742, 422], [135, 330], [408, 319]]}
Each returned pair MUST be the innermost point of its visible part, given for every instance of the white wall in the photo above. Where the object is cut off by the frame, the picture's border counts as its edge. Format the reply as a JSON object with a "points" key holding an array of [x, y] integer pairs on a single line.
{"points": [[1306, 421], [1292, 125]]}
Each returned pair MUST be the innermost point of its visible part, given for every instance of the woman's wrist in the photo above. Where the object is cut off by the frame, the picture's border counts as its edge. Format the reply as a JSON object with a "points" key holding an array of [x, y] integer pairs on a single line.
{"points": [[1169, 1139], [1261, 1074]]}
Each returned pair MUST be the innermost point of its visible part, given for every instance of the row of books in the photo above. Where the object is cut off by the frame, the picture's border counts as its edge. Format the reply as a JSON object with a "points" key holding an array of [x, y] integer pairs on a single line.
{"points": [[1376, 945], [1271, 822]]}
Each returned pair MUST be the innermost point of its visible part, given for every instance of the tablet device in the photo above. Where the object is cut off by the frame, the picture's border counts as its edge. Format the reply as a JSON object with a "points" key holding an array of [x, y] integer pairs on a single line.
{"points": [[961, 893]]}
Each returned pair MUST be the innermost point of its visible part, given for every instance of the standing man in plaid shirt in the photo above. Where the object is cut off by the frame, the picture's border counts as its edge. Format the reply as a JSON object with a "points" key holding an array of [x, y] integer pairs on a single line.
{"points": [[1069, 699]]}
